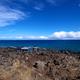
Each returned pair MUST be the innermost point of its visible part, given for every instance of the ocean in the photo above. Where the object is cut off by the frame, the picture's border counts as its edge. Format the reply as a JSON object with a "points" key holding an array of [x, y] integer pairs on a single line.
{"points": [[73, 45]]}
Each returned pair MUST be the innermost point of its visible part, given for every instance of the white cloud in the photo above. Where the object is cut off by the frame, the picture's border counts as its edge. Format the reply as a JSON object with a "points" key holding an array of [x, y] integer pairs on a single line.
{"points": [[43, 37], [61, 35], [51, 1], [18, 37], [39, 6], [66, 35], [21, 37], [36, 37], [8, 15]]}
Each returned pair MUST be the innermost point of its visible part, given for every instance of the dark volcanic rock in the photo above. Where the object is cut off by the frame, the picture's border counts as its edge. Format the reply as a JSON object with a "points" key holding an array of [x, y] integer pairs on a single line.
{"points": [[43, 64]]}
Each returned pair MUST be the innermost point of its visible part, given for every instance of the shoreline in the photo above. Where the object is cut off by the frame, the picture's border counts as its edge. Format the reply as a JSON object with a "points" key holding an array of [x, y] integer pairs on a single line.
{"points": [[26, 48], [52, 44]]}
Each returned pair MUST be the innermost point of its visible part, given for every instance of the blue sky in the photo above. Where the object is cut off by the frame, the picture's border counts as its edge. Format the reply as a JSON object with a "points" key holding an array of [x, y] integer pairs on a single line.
{"points": [[39, 19]]}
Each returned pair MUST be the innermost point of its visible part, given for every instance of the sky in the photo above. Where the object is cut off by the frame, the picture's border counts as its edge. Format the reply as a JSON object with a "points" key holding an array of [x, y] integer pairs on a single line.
{"points": [[39, 19]]}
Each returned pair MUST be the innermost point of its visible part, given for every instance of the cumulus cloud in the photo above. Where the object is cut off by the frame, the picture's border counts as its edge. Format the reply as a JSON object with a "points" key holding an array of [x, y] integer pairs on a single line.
{"points": [[65, 35], [8, 15], [61, 35]]}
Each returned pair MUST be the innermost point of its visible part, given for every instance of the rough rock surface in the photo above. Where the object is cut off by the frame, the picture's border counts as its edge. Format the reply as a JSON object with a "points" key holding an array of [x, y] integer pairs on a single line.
{"points": [[46, 65]]}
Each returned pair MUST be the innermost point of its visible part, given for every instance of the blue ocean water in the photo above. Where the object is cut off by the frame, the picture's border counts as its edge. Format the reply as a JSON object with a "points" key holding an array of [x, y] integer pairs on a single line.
{"points": [[54, 44]]}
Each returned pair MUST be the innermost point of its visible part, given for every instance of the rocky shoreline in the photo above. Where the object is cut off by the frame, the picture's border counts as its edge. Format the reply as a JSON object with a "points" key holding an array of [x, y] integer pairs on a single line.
{"points": [[38, 64]]}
